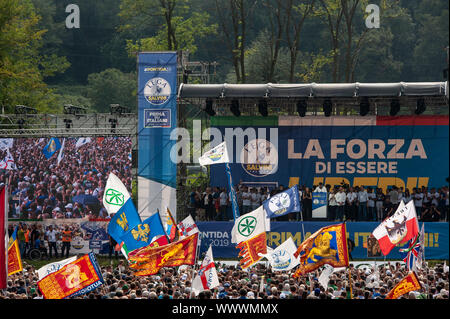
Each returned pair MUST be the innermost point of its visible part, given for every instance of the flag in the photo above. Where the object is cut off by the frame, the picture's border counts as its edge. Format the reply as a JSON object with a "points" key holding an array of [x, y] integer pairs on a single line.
{"points": [[282, 258], [252, 250], [207, 275], [414, 252], [187, 227], [3, 237], [8, 162], [249, 225], [233, 196], [6, 143], [397, 229], [82, 141], [283, 203], [328, 245], [149, 260], [170, 226], [144, 233], [76, 278], [115, 195], [324, 277], [61, 152], [216, 155], [14, 258], [126, 219], [407, 284], [51, 147], [52, 267]]}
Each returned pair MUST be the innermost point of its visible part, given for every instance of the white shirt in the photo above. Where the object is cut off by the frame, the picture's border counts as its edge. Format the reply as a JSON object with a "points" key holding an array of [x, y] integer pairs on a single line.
{"points": [[351, 197], [418, 198], [340, 198], [223, 198], [51, 235], [322, 189], [363, 196], [246, 198], [332, 199], [371, 201]]}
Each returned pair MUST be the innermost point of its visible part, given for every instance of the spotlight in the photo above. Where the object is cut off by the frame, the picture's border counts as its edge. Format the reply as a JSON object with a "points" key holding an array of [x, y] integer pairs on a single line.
{"points": [[209, 108], [113, 125], [235, 108], [301, 108], [395, 107], [262, 107], [74, 110], [21, 124], [420, 107], [364, 106], [327, 106], [68, 123]]}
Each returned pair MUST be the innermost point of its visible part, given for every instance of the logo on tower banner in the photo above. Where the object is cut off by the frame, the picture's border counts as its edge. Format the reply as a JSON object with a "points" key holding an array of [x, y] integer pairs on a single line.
{"points": [[157, 91]]}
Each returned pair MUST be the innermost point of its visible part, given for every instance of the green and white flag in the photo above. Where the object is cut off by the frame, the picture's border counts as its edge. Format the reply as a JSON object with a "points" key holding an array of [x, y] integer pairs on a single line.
{"points": [[115, 194], [249, 225]]}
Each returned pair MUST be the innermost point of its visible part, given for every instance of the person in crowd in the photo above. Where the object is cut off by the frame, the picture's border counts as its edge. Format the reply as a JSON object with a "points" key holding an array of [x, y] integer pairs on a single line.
{"points": [[363, 198], [332, 205], [341, 199], [307, 204], [246, 201], [66, 237], [371, 210], [52, 236], [351, 205], [370, 282]]}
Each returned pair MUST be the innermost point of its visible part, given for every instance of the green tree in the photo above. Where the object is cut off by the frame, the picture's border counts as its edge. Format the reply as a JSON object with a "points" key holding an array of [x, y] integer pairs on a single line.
{"points": [[23, 67], [112, 86], [164, 25]]}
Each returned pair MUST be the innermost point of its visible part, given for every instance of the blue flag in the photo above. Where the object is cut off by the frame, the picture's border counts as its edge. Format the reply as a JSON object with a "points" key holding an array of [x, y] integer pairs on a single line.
{"points": [[234, 203], [52, 147], [283, 203], [143, 234], [123, 221]]}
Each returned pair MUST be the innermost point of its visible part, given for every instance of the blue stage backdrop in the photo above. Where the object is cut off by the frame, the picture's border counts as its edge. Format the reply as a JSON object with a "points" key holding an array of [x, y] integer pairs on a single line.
{"points": [[218, 234], [374, 151]]}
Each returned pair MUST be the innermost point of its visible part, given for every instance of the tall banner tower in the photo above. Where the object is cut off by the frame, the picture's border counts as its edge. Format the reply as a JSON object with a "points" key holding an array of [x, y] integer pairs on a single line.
{"points": [[157, 107]]}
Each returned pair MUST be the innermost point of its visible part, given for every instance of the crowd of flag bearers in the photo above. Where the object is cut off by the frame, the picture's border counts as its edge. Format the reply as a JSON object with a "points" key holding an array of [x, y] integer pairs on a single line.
{"points": [[156, 242]]}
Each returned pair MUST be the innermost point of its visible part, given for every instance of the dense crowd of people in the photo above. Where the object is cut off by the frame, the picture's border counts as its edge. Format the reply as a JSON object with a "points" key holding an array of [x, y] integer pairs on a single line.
{"points": [[40, 188], [258, 282], [358, 203]]}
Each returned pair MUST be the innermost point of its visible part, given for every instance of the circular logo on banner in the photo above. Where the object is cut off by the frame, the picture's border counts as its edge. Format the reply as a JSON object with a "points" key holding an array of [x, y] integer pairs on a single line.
{"points": [[316, 201], [259, 158], [157, 91], [114, 197], [247, 225], [279, 203], [281, 259], [77, 243]]}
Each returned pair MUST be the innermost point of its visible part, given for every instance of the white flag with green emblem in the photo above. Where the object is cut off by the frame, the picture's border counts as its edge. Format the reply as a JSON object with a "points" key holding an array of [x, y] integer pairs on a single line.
{"points": [[115, 194], [249, 225]]}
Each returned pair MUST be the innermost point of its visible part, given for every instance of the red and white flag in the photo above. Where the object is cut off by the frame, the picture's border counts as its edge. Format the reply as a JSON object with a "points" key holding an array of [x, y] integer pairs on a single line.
{"points": [[397, 229], [207, 275], [187, 227]]}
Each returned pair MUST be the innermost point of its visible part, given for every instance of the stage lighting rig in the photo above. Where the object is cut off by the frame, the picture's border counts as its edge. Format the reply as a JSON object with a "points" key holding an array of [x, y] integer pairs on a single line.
{"points": [[262, 108], [327, 107], [234, 108], [301, 108]]}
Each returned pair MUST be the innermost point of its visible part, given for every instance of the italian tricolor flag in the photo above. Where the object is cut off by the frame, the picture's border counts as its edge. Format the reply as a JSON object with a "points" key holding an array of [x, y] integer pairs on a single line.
{"points": [[397, 229]]}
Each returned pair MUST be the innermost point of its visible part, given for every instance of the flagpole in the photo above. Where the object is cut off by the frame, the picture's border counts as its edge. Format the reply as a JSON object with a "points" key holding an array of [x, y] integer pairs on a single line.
{"points": [[197, 252]]}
